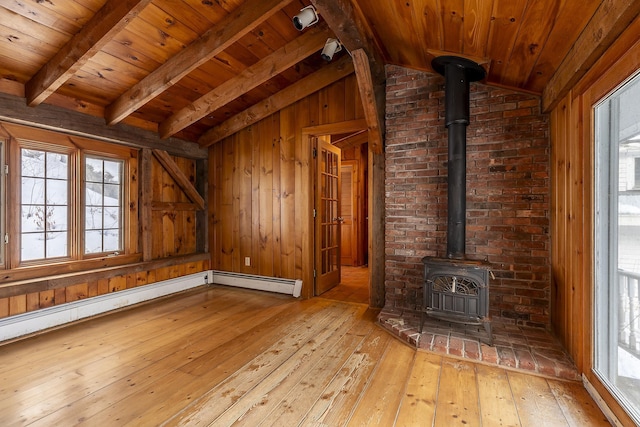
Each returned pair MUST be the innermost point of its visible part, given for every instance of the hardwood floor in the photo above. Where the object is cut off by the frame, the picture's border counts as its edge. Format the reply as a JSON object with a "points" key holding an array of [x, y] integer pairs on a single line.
{"points": [[353, 287], [219, 356]]}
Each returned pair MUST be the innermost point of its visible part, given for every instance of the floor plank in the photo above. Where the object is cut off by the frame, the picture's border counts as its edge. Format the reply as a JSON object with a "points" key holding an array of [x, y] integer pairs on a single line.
{"points": [[223, 356], [533, 397], [457, 402], [382, 396], [497, 407], [419, 402]]}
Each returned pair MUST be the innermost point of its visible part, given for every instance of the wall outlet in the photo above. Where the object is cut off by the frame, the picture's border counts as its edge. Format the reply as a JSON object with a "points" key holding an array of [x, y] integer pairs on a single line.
{"points": [[247, 261]]}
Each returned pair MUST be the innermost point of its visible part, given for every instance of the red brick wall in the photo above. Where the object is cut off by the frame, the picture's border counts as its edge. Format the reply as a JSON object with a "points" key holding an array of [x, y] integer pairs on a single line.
{"points": [[508, 193]]}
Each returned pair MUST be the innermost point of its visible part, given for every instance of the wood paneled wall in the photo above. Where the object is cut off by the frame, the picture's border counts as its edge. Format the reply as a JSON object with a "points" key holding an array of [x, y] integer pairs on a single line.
{"points": [[260, 194], [171, 239], [572, 222], [173, 217]]}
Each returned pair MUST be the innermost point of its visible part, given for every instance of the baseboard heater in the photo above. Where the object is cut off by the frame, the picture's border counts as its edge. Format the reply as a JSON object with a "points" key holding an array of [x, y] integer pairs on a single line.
{"points": [[262, 283], [28, 323]]}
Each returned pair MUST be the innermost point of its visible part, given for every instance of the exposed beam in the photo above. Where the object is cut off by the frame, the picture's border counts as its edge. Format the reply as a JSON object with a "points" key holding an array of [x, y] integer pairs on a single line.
{"points": [[289, 95], [226, 32], [145, 199], [180, 178], [44, 116], [98, 31], [353, 32], [253, 76], [354, 140], [607, 23], [336, 128], [370, 106]]}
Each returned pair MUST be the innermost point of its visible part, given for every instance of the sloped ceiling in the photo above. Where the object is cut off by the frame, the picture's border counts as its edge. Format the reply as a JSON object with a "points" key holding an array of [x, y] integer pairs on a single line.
{"points": [[198, 70]]}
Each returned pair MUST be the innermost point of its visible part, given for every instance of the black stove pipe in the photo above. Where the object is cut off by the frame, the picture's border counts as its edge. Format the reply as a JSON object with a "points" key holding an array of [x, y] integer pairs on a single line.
{"points": [[458, 73]]}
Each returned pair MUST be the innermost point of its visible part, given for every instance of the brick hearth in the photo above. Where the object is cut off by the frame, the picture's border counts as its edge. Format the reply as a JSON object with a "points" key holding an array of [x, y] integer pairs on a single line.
{"points": [[533, 350]]}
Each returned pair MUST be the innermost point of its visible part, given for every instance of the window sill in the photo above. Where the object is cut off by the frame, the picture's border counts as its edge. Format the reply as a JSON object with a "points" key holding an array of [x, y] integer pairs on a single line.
{"points": [[26, 280]]}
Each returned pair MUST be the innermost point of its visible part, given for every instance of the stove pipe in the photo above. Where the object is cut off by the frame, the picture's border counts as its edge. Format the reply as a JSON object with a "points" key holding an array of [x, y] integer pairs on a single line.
{"points": [[458, 73]]}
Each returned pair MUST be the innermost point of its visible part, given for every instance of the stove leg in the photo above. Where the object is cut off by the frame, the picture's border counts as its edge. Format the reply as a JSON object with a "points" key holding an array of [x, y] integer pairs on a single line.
{"points": [[487, 327]]}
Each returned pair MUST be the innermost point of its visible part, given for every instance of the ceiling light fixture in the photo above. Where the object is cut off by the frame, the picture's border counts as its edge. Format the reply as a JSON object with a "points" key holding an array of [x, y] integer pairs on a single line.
{"points": [[307, 16], [330, 48]]}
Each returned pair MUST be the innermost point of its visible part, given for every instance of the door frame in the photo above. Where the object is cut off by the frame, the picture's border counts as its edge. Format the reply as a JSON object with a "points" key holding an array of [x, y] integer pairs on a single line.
{"points": [[375, 209]]}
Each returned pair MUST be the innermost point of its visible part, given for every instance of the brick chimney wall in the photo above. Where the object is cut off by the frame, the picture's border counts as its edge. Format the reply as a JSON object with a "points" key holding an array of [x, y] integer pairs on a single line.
{"points": [[508, 193]]}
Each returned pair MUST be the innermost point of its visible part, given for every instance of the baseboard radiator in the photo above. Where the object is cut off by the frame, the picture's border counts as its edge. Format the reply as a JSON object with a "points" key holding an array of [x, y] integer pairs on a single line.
{"points": [[262, 283], [46, 318]]}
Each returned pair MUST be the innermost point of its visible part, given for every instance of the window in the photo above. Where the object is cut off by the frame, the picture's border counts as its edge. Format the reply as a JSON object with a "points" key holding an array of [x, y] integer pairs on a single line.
{"points": [[70, 200], [617, 245], [636, 173], [44, 231], [103, 205]]}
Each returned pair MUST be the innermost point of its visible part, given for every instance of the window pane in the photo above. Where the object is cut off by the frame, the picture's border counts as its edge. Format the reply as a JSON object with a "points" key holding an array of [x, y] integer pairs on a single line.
{"points": [[33, 163], [56, 244], [93, 218], [112, 240], [93, 170], [32, 218], [57, 165], [93, 194], [113, 172], [32, 191], [32, 246], [57, 192], [111, 217], [93, 241], [112, 195], [57, 218]]}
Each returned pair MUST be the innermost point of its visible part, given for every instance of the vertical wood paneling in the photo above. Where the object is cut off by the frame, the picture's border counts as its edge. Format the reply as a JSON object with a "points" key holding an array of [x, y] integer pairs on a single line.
{"points": [[262, 186], [265, 197], [287, 201], [245, 200], [573, 209], [276, 219], [304, 203]]}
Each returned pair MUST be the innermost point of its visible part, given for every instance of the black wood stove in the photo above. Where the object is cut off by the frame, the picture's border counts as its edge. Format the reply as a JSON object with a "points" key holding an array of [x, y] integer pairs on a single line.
{"points": [[456, 289]]}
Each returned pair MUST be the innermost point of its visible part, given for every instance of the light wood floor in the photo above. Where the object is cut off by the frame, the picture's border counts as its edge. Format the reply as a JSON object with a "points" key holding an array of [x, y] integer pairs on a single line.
{"points": [[219, 356]]}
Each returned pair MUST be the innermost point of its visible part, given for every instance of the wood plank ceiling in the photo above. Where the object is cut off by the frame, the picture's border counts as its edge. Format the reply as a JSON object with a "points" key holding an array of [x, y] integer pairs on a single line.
{"points": [[199, 70]]}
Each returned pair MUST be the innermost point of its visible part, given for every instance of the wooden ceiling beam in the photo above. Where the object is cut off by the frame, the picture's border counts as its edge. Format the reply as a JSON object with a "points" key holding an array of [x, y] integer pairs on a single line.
{"points": [[609, 21], [14, 110], [289, 95], [226, 32], [375, 120], [354, 140], [253, 76], [354, 34], [98, 31]]}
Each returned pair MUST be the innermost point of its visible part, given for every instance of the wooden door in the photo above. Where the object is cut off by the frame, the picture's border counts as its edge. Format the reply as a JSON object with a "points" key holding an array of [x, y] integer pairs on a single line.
{"points": [[328, 220], [348, 240]]}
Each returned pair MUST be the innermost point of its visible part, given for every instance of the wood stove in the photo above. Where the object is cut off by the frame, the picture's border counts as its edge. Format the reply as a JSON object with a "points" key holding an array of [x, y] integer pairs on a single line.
{"points": [[457, 291], [456, 288]]}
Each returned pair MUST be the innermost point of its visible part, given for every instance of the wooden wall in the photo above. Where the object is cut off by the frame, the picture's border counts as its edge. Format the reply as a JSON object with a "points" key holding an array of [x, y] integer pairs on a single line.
{"points": [[168, 231], [572, 223], [260, 193]]}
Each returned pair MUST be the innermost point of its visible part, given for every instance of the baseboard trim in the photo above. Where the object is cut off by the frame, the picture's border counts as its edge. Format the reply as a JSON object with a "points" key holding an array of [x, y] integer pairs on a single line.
{"points": [[39, 320]]}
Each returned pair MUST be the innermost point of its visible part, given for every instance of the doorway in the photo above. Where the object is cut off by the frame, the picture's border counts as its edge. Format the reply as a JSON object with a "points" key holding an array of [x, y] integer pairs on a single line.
{"points": [[341, 214]]}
